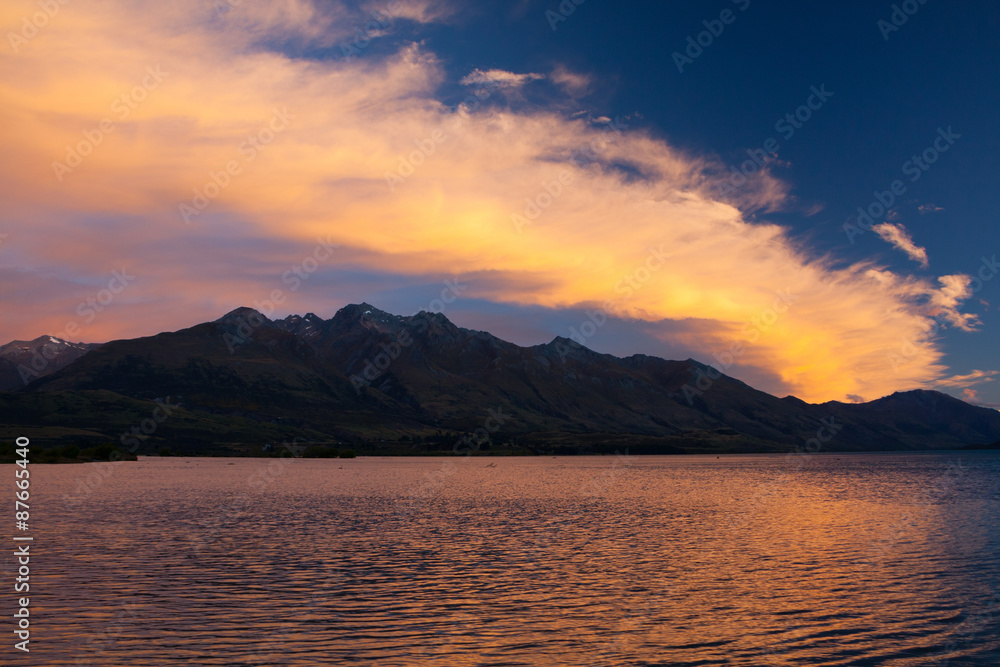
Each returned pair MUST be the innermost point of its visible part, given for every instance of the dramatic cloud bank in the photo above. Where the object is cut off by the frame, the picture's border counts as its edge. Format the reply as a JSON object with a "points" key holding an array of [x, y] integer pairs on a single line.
{"points": [[205, 151]]}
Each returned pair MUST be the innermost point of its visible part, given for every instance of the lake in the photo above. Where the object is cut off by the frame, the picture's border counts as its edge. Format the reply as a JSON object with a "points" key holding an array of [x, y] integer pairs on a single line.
{"points": [[834, 559]]}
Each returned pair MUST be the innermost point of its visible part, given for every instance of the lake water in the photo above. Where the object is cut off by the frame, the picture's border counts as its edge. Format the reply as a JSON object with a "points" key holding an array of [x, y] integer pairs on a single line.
{"points": [[864, 559]]}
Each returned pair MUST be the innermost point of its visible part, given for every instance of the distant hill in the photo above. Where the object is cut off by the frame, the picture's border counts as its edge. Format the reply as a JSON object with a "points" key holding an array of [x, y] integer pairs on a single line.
{"points": [[366, 375], [22, 361]]}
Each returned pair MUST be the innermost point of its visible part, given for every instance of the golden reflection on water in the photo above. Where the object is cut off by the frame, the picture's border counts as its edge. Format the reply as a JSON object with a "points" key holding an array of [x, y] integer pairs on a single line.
{"points": [[744, 560]]}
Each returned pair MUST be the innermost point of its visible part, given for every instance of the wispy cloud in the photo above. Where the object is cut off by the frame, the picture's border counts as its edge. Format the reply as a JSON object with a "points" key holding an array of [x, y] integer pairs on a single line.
{"points": [[946, 301], [972, 396], [942, 302], [575, 84], [420, 11], [499, 77], [900, 238], [967, 380], [929, 208]]}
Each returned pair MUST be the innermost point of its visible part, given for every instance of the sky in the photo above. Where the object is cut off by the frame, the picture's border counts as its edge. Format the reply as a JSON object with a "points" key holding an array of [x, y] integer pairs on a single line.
{"points": [[801, 194]]}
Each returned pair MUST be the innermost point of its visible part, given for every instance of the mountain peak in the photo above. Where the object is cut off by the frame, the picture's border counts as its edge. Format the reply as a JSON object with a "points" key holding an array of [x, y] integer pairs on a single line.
{"points": [[433, 316], [22, 361], [563, 340], [46, 340], [254, 317], [16, 346], [566, 348], [366, 316], [357, 310], [366, 312]]}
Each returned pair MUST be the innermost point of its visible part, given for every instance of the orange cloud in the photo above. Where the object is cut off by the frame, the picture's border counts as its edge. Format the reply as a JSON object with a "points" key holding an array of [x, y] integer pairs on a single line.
{"points": [[899, 237], [238, 141], [967, 380]]}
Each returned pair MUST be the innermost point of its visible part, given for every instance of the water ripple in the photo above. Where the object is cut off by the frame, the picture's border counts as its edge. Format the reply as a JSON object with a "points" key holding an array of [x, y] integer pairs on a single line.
{"points": [[566, 561]]}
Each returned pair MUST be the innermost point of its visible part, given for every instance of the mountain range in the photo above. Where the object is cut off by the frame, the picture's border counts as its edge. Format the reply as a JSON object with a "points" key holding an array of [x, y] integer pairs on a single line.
{"points": [[419, 384], [22, 361]]}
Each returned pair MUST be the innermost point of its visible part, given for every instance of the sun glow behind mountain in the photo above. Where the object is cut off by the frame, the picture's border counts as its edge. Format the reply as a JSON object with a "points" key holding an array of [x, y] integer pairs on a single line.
{"points": [[234, 139]]}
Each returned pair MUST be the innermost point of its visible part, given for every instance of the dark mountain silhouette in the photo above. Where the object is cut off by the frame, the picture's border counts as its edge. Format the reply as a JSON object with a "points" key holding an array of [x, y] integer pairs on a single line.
{"points": [[22, 361], [368, 375]]}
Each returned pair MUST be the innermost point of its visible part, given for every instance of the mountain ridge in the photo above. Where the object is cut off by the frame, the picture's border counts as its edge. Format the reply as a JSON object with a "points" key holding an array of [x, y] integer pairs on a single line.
{"points": [[365, 371], [22, 361]]}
